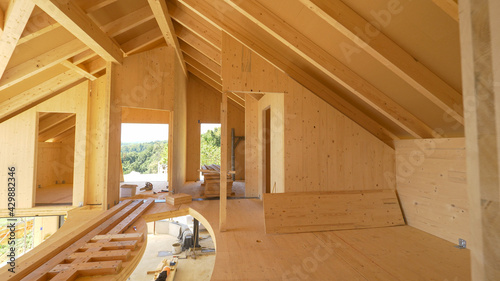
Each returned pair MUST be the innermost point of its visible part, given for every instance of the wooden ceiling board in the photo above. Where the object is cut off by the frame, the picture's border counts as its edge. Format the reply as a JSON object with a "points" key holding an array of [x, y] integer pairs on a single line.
{"points": [[116, 10], [136, 31], [363, 64], [423, 30], [40, 45]]}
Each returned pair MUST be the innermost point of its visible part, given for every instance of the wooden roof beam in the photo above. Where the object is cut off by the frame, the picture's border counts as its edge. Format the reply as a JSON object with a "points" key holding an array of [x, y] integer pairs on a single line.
{"points": [[75, 20], [95, 66], [142, 40], [39, 63], [202, 58], [329, 65], [81, 69], [205, 30], [31, 97], [214, 84], [276, 58], [90, 6], [51, 120], [160, 11], [450, 7], [215, 79], [196, 64], [388, 53], [38, 25], [204, 78], [213, 67], [128, 21], [188, 38], [58, 129], [83, 56], [16, 17], [236, 99], [63, 136]]}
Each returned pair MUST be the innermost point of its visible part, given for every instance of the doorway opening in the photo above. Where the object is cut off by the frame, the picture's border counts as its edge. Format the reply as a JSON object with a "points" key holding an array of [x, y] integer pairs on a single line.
{"points": [[209, 145], [144, 156], [55, 159], [266, 145]]}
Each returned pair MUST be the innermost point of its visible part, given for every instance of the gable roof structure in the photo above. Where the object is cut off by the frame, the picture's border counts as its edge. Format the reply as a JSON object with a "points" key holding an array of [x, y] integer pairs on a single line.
{"points": [[385, 64]]}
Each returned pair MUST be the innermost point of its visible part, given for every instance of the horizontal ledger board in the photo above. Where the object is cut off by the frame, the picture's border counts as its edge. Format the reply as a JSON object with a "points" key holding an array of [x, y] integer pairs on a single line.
{"points": [[295, 212]]}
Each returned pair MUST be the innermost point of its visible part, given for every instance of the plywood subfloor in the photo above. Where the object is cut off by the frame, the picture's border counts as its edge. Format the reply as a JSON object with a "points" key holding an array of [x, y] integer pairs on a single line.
{"points": [[245, 252]]}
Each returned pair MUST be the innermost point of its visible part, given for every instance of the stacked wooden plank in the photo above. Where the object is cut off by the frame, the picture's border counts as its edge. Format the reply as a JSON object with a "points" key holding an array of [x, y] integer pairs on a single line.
{"points": [[102, 249], [178, 199], [211, 175], [295, 212]]}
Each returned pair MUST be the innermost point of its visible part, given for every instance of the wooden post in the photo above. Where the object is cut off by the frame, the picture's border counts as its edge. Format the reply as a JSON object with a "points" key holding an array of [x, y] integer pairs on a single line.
{"points": [[480, 46], [114, 141], [223, 164], [170, 153]]}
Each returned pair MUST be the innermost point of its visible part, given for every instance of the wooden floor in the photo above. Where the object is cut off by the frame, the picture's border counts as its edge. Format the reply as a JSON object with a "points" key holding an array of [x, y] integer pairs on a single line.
{"points": [[58, 194], [245, 252]]}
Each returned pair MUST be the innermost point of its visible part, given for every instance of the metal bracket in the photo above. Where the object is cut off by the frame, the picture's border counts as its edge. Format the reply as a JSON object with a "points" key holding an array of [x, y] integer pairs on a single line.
{"points": [[462, 244]]}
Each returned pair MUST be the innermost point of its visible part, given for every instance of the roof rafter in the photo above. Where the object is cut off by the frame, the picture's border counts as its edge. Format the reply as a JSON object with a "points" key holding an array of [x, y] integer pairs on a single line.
{"points": [[195, 62], [207, 72], [383, 49], [235, 29], [81, 69], [142, 40], [195, 24], [51, 120], [329, 65], [31, 97], [191, 39], [37, 26], [201, 57], [160, 11], [16, 18], [39, 63], [128, 21], [204, 78], [58, 129], [75, 20], [450, 7]]}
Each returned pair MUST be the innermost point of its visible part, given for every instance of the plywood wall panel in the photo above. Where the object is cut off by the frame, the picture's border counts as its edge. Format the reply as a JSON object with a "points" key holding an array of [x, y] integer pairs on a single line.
{"points": [[323, 150], [147, 79], [432, 186], [251, 147], [248, 71]]}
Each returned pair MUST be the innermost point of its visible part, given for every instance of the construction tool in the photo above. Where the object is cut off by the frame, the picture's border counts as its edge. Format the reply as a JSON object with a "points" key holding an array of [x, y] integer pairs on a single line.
{"points": [[148, 186]]}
